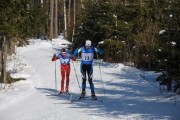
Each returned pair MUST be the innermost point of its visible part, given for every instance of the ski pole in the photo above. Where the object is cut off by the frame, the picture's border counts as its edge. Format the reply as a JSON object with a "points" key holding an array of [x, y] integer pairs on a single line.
{"points": [[101, 75], [76, 76], [55, 78], [75, 68]]}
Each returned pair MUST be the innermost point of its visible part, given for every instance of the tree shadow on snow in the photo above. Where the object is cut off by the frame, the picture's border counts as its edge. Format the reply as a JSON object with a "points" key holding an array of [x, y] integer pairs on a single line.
{"points": [[53, 94], [126, 97], [133, 99]]}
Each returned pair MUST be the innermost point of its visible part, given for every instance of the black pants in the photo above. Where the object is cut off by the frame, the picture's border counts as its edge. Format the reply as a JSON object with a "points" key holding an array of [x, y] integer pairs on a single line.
{"points": [[87, 69]]}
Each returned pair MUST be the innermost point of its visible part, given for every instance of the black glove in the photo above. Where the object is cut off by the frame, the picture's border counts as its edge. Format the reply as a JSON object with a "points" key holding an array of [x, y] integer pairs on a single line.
{"points": [[54, 55]]}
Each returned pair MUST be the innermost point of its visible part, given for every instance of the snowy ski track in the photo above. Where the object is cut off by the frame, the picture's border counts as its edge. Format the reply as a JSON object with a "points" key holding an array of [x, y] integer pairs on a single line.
{"points": [[127, 96]]}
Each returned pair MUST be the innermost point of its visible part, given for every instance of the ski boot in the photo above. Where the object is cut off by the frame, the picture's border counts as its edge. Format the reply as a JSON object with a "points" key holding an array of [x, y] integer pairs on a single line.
{"points": [[82, 94], [61, 92], [93, 96], [67, 92]]}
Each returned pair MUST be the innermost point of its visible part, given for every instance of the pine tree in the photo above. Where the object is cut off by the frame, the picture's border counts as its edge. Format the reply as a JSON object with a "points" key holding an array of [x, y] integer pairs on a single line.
{"points": [[131, 29], [20, 20]]}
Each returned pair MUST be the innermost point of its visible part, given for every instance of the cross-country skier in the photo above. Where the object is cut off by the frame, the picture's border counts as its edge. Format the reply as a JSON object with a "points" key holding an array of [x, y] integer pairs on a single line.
{"points": [[64, 58], [87, 55]]}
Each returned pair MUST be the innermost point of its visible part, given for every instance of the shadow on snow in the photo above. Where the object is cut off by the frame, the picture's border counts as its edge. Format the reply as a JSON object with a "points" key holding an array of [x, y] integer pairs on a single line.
{"points": [[123, 101], [126, 96]]}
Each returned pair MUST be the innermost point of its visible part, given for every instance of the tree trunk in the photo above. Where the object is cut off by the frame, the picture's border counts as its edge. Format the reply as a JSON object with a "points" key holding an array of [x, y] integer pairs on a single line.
{"points": [[69, 20], [11, 48], [74, 23], [65, 20], [3, 60], [51, 19], [69, 14], [1, 80], [56, 19]]}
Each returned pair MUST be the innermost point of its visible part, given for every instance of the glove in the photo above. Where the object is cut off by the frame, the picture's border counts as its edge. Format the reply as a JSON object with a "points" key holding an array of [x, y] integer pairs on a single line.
{"points": [[54, 55], [73, 58]]}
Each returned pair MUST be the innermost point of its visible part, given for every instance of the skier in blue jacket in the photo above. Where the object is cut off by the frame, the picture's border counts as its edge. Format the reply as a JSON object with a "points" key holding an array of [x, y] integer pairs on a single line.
{"points": [[87, 55]]}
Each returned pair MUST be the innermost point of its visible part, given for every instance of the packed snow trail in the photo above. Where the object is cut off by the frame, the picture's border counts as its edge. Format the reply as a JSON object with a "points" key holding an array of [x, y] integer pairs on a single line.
{"points": [[127, 96]]}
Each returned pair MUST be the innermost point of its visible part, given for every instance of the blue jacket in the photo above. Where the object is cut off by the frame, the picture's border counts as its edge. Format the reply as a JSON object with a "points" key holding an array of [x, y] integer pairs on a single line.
{"points": [[66, 60], [87, 55]]}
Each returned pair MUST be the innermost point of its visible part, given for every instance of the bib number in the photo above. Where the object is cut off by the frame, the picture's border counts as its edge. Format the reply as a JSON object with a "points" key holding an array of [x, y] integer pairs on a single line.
{"points": [[87, 56], [64, 61]]}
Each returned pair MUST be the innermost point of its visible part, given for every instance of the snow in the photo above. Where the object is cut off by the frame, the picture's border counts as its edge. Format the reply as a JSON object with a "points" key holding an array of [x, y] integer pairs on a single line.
{"points": [[101, 42], [162, 31], [127, 93], [173, 43]]}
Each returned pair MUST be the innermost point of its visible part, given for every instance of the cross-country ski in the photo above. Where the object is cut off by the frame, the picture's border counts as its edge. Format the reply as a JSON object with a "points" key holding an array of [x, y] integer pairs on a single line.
{"points": [[85, 99]]}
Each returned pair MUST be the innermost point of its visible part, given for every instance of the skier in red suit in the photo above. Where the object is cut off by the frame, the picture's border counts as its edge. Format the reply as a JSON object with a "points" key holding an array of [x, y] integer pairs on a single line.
{"points": [[64, 58]]}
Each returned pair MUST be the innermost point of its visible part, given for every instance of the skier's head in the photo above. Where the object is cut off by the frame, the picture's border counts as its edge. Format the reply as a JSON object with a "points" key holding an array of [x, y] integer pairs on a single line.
{"points": [[63, 52], [88, 44]]}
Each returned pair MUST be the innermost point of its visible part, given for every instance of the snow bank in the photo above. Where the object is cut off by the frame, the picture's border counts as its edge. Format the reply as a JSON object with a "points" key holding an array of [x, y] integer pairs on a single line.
{"points": [[61, 42], [20, 75], [130, 69], [40, 43]]}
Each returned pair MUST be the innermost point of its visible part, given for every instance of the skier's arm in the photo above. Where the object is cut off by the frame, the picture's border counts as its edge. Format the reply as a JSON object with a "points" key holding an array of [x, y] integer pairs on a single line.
{"points": [[54, 57], [98, 50], [73, 58], [76, 52]]}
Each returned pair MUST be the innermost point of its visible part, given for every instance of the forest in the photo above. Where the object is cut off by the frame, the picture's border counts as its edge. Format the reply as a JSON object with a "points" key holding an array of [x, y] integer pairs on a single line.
{"points": [[140, 33]]}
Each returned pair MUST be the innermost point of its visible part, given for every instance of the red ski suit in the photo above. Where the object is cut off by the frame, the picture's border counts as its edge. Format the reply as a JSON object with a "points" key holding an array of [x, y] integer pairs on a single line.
{"points": [[65, 69]]}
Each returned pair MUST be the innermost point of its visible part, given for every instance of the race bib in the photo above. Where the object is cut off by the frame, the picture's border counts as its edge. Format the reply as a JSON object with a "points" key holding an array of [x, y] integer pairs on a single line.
{"points": [[87, 56], [64, 61]]}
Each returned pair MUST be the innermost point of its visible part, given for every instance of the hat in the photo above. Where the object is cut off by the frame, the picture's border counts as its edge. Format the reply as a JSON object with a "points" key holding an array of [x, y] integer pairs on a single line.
{"points": [[63, 50], [88, 43]]}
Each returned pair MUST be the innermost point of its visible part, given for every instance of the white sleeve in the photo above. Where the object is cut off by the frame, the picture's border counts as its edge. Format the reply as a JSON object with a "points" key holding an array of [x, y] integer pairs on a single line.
{"points": [[79, 50], [96, 49]]}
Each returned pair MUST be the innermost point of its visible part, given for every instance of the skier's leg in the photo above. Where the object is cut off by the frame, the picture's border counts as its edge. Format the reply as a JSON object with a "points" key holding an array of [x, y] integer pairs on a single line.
{"points": [[62, 79], [67, 79], [83, 74], [90, 76]]}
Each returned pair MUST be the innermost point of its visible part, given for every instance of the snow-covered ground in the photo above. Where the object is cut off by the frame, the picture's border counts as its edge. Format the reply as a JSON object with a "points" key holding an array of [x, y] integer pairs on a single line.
{"points": [[127, 93]]}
